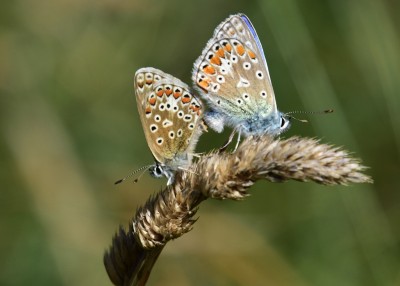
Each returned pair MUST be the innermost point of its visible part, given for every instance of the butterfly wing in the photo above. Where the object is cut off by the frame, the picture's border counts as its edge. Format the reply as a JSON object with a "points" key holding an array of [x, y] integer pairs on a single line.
{"points": [[232, 71], [170, 115]]}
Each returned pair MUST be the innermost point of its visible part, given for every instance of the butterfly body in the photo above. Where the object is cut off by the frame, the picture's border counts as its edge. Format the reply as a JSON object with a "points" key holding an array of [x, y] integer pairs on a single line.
{"points": [[171, 117], [232, 75]]}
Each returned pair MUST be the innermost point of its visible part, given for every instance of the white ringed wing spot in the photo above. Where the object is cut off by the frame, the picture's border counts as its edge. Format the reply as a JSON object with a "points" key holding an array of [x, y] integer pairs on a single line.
{"points": [[245, 96], [187, 118], [234, 59], [223, 71], [171, 134], [220, 78], [180, 114], [215, 87], [246, 66], [159, 140], [259, 74], [243, 83], [153, 128], [157, 118], [263, 93], [167, 123], [179, 133]]}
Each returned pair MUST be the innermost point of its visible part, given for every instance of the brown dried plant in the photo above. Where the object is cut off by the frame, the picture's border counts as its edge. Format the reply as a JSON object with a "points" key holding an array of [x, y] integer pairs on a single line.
{"points": [[170, 214]]}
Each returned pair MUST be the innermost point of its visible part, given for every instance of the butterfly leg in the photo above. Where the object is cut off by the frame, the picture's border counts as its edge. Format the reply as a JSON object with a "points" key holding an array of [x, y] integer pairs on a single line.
{"points": [[226, 144], [237, 142]]}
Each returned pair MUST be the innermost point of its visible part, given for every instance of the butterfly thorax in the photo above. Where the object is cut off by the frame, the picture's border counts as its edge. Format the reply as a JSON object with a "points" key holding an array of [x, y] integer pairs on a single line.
{"points": [[261, 124]]}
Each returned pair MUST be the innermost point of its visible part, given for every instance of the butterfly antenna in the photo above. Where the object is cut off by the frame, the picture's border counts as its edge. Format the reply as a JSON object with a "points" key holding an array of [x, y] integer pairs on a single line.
{"points": [[144, 169], [307, 112]]}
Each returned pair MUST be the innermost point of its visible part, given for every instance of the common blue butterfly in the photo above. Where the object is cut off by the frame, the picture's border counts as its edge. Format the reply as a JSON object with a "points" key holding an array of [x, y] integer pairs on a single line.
{"points": [[171, 118], [232, 75]]}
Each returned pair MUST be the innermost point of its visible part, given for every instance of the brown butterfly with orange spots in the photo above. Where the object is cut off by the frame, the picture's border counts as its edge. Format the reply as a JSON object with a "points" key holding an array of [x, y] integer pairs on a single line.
{"points": [[171, 118]]}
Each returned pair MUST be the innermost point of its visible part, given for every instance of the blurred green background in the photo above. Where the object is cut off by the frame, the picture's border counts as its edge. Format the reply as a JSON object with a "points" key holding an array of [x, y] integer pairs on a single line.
{"points": [[70, 128]]}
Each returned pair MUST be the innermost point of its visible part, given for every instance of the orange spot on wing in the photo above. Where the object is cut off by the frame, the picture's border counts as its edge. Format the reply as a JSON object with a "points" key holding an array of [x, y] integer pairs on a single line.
{"points": [[149, 81], [177, 94], [251, 54], [148, 110], [186, 99], [220, 53], [216, 60], [195, 108], [240, 50], [228, 48], [209, 69], [160, 93], [168, 91], [204, 84], [152, 101]]}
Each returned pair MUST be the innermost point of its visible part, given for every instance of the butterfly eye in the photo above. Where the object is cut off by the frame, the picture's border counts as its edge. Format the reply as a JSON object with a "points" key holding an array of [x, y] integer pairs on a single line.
{"points": [[282, 122], [158, 171], [285, 122]]}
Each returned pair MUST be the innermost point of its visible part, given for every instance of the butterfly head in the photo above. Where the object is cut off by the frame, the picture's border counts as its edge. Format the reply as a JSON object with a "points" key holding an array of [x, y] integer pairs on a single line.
{"points": [[285, 122], [159, 171], [156, 171]]}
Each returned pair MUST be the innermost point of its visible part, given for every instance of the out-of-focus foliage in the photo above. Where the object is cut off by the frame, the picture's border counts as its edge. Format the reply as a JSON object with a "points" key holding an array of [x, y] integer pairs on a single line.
{"points": [[69, 129]]}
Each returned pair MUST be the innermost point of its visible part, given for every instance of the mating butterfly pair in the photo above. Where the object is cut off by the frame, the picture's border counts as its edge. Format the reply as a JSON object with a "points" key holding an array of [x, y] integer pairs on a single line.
{"points": [[231, 75]]}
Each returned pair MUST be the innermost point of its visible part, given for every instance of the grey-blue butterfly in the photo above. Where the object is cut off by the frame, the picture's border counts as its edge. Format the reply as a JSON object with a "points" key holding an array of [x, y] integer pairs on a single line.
{"points": [[232, 75]]}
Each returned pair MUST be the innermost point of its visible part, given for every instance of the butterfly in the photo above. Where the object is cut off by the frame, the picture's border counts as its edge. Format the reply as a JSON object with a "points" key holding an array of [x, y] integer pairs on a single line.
{"points": [[171, 118], [232, 75]]}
